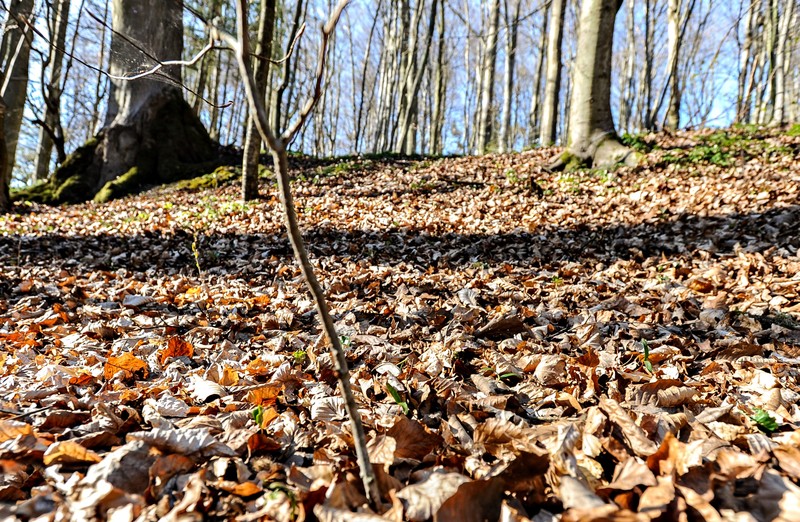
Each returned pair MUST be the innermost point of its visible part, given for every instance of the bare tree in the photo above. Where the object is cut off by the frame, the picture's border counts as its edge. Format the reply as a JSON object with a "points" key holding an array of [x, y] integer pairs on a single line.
{"points": [[14, 60], [592, 137], [552, 90], [278, 145], [5, 174], [484, 128], [440, 88], [628, 80], [534, 119], [412, 79], [151, 134], [512, 25], [782, 62], [252, 141], [51, 132]]}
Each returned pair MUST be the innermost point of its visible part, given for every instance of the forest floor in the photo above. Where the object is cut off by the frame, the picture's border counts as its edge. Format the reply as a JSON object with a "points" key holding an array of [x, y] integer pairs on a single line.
{"points": [[594, 346]]}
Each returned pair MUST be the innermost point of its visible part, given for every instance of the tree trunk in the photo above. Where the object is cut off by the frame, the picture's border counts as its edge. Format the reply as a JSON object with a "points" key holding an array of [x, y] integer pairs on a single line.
{"points": [[252, 140], [52, 115], [512, 25], [484, 130], [646, 82], [781, 63], [5, 198], [14, 59], [552, 89], [406, 139], [534, 120], [674, 44], [626, 98], [440, 89], [276, 111], [152, 135], [592, 137], [742, 101]]}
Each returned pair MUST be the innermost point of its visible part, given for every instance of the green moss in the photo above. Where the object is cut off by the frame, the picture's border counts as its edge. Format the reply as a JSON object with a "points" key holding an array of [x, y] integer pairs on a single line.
{"points": [[73, 182], [128, 183], [794, 130], [224, 175], [637, 142]]}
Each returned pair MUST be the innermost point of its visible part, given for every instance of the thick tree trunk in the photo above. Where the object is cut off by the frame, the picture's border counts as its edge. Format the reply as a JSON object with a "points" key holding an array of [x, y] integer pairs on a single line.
{"points": [[552, 89], [152, 135], [52, 114], [592, 137], [252, 140], [484, 130], [14, 58]]}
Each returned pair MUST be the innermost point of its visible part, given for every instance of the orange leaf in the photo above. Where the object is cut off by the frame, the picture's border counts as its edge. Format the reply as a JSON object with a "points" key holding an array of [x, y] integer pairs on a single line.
{"points": [[246, 489], [176, 347], [69, 452], [127, 363], [265, 395]]}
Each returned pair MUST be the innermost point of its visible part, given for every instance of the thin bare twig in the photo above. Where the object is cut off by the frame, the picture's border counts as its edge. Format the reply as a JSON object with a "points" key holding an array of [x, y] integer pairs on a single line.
{"points": [[295, 41], [280, 157]]}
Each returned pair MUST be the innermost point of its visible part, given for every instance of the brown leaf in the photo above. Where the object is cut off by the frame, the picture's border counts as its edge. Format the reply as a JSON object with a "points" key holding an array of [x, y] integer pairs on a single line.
{"points": [[176, 347], [423, 499], [68, 452], [635, 436], [414, 441], [474, 501], [127, 364]]}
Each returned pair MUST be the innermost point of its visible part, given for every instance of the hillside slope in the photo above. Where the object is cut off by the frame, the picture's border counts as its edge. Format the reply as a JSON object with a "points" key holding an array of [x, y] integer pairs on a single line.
{"points": [[610, 346]]}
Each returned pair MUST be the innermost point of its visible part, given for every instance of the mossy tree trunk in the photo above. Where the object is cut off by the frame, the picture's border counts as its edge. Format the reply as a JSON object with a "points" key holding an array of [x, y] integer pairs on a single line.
{"points": [[593, 141], [151, 135]]}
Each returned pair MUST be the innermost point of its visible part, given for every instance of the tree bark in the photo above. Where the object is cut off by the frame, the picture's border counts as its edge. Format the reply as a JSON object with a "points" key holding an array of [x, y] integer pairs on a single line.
{"points": [[405, 141], [592, 137], [781, 64], [52, 115], [512, 26], [534, 120], [5, 197], [484, 130], [252, 140], [14, 59], [440, 89], [151, 134], [552, 89], [742, 100], [674, 44], [626, 98], [646, 81]]}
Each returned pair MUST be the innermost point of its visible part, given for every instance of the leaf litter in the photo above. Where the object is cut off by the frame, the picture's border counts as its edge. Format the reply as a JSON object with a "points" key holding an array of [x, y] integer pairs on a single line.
{"points": [[524, 345]]}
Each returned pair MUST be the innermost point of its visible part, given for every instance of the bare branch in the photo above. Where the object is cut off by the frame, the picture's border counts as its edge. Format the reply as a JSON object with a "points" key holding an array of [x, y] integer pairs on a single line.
{"points": [[327, 30], [291, 47], [156, 68], [32, 28], [280, 157]]}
